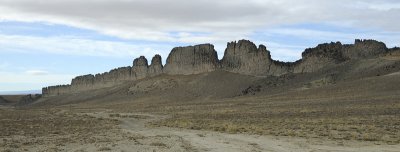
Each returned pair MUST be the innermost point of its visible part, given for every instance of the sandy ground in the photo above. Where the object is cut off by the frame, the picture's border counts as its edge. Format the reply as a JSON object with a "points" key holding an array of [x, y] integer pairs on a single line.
{"points": [[132, 132], [173, 139]]}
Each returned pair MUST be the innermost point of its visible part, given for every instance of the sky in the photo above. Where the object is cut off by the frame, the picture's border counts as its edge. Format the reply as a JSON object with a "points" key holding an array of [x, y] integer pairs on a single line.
{"points": [[46, 43]]}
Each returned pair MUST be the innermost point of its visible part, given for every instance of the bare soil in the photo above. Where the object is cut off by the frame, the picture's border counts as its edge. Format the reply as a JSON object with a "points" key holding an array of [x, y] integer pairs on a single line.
{"points": [[77, 129]]}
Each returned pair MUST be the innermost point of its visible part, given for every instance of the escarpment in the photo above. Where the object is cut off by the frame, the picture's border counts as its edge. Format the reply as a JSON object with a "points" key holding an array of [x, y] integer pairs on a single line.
{"points": [[56, 90], [156, 66], [192, 60], [242, 57], [245, 58], [316, 58], [364, 49], [139, 68]]}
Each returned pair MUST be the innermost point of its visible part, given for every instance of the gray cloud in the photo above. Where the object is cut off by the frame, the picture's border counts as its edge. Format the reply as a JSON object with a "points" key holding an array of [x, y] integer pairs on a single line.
{"points": [[176, 21], [141, 18]]}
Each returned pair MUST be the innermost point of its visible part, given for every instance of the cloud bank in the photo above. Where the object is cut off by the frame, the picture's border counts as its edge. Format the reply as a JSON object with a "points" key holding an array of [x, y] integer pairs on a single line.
{"points": [[201, 20]]}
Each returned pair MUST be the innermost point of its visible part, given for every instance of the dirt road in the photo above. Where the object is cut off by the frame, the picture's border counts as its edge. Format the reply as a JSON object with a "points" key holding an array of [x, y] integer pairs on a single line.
{"points": [[173, 139]]}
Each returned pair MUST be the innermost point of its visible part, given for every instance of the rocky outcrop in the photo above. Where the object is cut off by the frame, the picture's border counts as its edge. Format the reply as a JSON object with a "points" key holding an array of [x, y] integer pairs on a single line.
{"points": [[192, 60], [245, 58], [82, 82], [327, 51], [395, 49], [139, 68], [316, 58], [156, 67], [111, 77], [56, 90], [327, 54], [364, 49], [394, 52], [242, 57]]}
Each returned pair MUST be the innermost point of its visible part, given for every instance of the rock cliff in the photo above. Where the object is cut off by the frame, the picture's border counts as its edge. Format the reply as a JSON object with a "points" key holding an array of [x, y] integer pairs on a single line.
{"points": [[242, 57], [364, 49], [192, 60], [316, 58], [139, 68], [156, 66], [245, 58], [56, 90]]}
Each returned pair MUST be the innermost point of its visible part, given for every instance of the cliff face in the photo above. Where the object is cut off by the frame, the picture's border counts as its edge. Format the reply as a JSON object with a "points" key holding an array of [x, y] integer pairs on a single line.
{"points": [[139, 68], [316, 58], [156, 67], [364, 49], [82, 82], [56, 90], [245, 58], [101, 80], [241, 57], [192, 60], [327, 54]]}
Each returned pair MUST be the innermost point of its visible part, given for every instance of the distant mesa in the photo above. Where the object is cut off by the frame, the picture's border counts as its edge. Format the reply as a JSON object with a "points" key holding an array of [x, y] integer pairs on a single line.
{"points": [[242, 57]]}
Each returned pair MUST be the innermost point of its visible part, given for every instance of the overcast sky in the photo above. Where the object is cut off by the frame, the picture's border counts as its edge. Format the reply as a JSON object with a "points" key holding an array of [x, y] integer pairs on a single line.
{"points": [[49, 42]]}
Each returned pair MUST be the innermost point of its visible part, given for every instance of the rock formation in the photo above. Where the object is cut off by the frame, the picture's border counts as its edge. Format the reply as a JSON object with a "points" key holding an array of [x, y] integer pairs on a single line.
{"points": [[316, 58], [156, 67], [139, 68], [364, 49], [82, 82], [241, 57], [245, 58], [56, 90], [192, 60]]}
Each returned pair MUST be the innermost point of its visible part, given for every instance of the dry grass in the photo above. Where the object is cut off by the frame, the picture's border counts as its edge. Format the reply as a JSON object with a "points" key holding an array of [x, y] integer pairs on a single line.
{"points": [[366, 120], [346, 103], [159, 144], [104, 149], [35, 127], [117, 115]]}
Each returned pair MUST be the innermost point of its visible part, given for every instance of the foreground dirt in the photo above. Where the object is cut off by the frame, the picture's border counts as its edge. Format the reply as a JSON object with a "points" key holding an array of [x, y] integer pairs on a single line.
{"points": [[72, 129], [363, 110]]}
